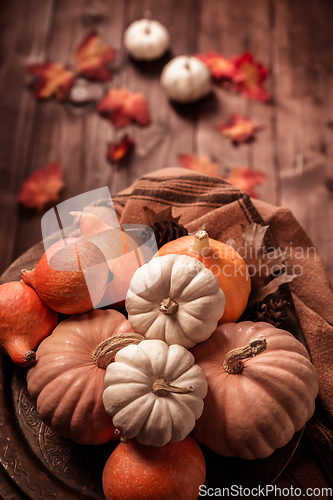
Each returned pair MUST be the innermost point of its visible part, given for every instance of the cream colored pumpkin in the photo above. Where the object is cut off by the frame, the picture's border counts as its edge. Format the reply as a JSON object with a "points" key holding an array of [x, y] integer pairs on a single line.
{"points": [[154, 392], [175, 298], [146, 40], [186, 79]]}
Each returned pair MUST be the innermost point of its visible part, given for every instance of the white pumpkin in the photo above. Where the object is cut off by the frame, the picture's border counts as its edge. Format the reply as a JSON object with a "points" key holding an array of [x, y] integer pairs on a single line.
{"points": [[175, 298], [186, 79], [154, 392], [146, 40]]}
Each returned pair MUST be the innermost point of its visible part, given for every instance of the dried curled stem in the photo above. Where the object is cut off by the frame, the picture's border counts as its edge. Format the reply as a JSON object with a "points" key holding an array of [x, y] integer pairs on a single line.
{"points": [[162, 388], [233, 362], [108, 348]]}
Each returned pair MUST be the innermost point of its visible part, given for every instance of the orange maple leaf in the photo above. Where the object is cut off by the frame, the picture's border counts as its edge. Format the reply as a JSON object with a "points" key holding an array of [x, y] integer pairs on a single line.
{"points": [[242, 178], [42, 187], [249, 77], [53, 79], [117, 151], [199, 164], [92, 57], [122, 107], [239, 129], [246, 179], [220, 67]]}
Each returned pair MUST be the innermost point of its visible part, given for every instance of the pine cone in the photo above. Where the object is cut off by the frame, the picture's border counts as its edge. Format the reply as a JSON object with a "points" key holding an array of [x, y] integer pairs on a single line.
{"points": [[164, 232], [272, 312]]}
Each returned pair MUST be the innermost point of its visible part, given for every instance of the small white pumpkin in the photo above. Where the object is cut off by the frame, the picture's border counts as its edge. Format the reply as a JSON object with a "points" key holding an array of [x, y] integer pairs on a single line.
{"points": [[146, 40], [175, 298], [186, 79], [154, 392]]}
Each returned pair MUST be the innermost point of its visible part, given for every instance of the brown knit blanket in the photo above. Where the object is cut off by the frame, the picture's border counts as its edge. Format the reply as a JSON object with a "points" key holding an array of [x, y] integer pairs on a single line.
{"points": [[209, 202]]}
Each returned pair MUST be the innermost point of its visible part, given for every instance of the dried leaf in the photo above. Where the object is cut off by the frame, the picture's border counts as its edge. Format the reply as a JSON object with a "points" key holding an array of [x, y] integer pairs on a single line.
{"points": [[220, 67], [117, 150], [246, 179], [249, 77], [122, 107], [52, 79], [150, 216], [267, 269], [42, 187], [93, 57], [253, 235], [199, 164], [239, 129]]}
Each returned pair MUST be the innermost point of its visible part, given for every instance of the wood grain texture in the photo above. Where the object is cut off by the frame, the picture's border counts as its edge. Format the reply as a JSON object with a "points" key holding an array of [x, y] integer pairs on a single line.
{"points": [[295, 148]]}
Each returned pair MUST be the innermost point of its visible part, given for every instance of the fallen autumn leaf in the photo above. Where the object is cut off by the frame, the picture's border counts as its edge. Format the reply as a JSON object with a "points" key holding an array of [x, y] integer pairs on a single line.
{"points": [[220, 67], [239, 129], [199, 164], [249, 77], [246, 179], [117, 150], [42, 187], [93, 57], [52, 79], [122, 107]]}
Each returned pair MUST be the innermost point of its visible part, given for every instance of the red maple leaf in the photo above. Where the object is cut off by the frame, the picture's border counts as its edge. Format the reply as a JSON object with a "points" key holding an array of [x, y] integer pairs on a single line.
{"points": [[42, 187], [122, 107], [239, 129], [117, 151], [199, 164], [53, 79], [220, 67], [93, 56], [249, 77], [246, 179]]}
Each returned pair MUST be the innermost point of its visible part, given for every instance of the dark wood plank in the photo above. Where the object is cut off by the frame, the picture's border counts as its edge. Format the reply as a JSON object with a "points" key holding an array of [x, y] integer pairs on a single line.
{"points": [[24, 38], [171, 129], [77, 138], [303, 65], [232, 28]]}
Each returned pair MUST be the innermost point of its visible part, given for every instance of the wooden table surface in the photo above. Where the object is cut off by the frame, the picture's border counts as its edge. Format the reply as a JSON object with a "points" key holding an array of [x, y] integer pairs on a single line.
{"points": [[294, 38]]}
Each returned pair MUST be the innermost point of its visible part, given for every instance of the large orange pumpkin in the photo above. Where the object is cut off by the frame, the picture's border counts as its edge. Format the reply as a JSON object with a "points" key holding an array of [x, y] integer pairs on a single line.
{"points": [[261, 389], [171, 472], [68, 378], [224, 262]]}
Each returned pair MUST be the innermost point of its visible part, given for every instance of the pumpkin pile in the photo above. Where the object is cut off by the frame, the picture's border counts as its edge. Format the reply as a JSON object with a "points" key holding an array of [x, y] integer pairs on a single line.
{"points": [[177, 371]]}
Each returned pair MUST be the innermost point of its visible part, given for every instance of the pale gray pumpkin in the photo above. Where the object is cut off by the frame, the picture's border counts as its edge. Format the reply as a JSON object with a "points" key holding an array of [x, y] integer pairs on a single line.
{"points": [[175, 298], [154, 392]]}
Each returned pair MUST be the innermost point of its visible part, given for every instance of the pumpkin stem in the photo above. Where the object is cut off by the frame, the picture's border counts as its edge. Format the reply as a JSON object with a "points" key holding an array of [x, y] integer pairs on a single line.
{"points": [[148, 26], [168, 306], [233, 361], [108, 348], [30, 356], [187, 63], [201, 243], [162, 388]]}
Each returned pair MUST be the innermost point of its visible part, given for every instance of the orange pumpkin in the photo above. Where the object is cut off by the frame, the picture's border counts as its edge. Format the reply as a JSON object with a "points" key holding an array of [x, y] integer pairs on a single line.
{"points": [[261, 389], [170, 472], [224, 262], [24, 321], [70, 277], [68, 378]]}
